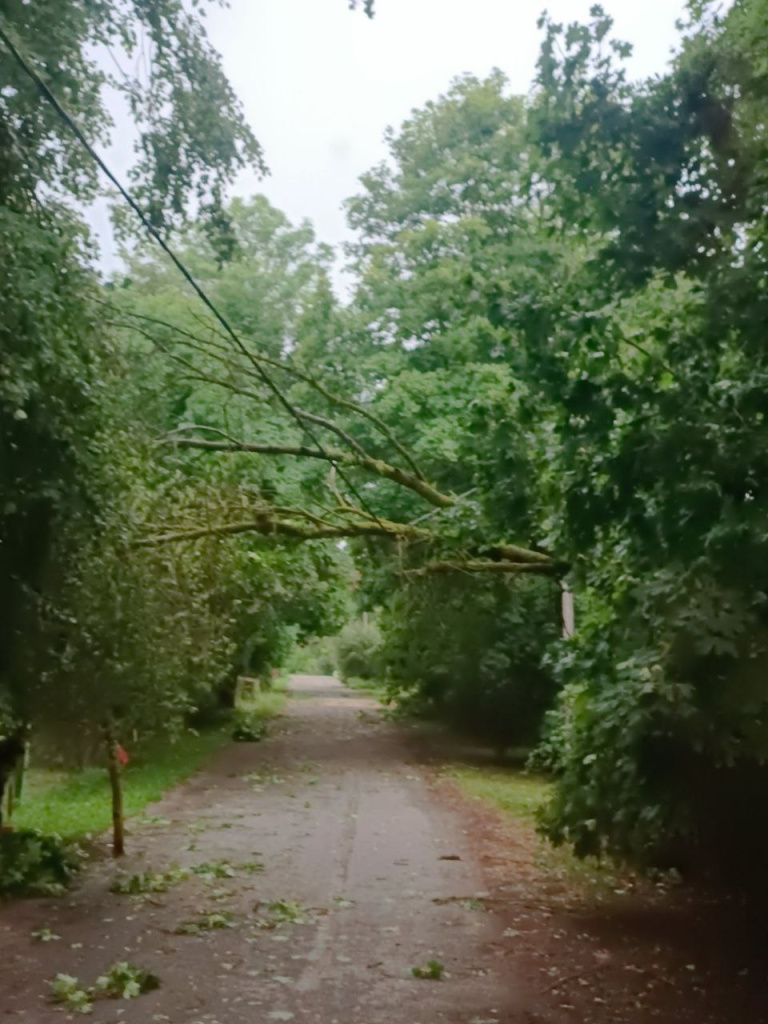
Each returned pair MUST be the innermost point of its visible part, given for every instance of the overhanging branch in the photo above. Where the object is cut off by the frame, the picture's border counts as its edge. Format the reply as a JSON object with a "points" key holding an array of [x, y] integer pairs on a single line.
{"points": [[354, 458], [223, 354], [473, 566], [269, 526]]}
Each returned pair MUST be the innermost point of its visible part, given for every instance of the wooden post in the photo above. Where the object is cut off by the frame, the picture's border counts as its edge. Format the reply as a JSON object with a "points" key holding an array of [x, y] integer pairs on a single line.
{"points": [[568, 614], [116, 785]]}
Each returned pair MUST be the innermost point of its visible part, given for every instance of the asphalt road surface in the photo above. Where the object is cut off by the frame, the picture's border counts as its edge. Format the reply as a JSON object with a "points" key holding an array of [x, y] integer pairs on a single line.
{"points": [[349, 871]]}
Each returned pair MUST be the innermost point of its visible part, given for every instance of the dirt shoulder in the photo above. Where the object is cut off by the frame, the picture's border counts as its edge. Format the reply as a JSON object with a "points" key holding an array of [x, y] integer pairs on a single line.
{"points": [[597, 946]]}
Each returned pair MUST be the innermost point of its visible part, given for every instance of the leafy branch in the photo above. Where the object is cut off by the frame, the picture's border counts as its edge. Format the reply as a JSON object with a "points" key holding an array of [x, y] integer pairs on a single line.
{"points": [[356, 457]]}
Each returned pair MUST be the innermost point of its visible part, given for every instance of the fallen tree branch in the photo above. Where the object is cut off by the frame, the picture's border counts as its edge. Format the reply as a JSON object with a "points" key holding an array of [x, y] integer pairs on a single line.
{"points": [[322, 421], [472, 566], [205, 345], [355, 458], [513, 553], [268, 526]]}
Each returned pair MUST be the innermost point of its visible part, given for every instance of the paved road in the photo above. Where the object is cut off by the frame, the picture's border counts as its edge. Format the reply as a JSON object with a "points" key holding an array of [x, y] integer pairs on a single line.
{"points": [[365, 876]]}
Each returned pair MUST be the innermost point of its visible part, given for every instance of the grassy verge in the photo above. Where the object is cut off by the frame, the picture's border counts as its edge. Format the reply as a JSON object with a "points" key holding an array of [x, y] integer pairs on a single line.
{"points": [[266, 704], [519, 796], [77, 804], [507, 790]]}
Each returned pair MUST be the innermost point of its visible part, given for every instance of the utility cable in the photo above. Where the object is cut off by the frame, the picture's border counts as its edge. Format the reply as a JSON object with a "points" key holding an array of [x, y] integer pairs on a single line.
{"points": [[72, 125]]}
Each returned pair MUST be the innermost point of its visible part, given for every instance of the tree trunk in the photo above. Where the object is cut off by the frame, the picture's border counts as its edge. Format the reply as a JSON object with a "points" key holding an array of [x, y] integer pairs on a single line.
{"points": [[14, 787], [11, 749], [116, 785]]}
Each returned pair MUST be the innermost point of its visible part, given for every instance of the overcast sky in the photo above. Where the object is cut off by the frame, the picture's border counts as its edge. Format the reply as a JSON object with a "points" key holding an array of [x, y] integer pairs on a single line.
{"points": [[320, 83]]}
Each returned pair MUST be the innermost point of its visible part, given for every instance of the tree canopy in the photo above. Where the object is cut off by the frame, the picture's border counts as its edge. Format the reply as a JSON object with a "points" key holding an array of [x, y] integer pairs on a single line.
{"points": [[88, 622]]}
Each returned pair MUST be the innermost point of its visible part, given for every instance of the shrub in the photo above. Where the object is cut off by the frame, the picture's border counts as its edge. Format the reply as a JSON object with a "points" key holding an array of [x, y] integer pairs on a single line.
{"points": [[470, 652], [358, 650], [247, 726], [659, 756], [316, 657]]}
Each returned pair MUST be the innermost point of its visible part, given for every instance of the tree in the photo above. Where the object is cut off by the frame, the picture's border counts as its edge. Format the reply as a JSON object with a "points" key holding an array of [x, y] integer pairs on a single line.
{"points": [[64, 467], [660, 738], [191, 137], [456, 283]]}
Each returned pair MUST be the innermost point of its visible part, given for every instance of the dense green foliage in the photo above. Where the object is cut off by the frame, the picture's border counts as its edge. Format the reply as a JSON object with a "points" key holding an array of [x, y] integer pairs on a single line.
{"points": [[94, 623], [358, 650], [661, 735], [191, 138], [450, 267], [470, 651], [561, 304], [34, 864], [72, 606]]}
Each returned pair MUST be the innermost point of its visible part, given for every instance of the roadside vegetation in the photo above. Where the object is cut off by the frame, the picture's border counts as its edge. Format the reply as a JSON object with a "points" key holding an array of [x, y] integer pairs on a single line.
{"points": [[509, 790], [76, 803]]}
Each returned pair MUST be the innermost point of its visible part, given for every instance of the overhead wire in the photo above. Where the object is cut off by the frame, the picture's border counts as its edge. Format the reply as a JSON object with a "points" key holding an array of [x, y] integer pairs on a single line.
{"points": [[267, 379]]}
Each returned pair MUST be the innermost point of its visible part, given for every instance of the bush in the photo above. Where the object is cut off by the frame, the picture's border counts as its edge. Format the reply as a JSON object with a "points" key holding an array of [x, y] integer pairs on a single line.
{"points": [[247, 727], [251, 716], [317, 656], [358, 650], [659, 756], [470, 652], [34, 864]]}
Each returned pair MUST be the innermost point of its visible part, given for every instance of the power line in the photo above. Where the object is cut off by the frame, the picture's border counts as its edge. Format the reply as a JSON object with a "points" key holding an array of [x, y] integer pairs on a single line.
{"points": [[69, 121]]}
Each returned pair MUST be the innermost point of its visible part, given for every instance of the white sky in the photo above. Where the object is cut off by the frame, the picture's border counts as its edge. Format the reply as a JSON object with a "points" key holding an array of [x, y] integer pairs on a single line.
{"points": [[320, 83]]}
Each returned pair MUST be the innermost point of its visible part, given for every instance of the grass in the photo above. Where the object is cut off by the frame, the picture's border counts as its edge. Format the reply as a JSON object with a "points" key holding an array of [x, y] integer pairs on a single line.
{"points": [[519, 797], [508, 790], [369, 687], [266, 704], [78, 804]]}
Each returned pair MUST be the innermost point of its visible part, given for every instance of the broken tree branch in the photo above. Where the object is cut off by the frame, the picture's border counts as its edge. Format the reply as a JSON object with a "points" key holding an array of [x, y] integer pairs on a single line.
{"points": [[376, 466], [269, 526], [472, 566], [224, 355]]}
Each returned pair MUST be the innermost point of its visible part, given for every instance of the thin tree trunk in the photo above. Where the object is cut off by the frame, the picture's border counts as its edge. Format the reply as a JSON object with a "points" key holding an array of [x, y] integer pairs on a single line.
{"points": [[8, 816], [16, 785], [22, 769], [11, 750], [568, 613], [116, 785]]}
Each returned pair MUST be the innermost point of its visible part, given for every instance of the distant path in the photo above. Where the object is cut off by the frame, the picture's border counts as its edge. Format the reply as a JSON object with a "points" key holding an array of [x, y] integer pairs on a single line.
{"points": [[347, 828]]}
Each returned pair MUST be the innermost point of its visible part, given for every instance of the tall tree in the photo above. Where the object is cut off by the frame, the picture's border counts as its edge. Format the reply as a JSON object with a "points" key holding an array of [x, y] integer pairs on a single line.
{"points": [[62, 471], [661, 439]]}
